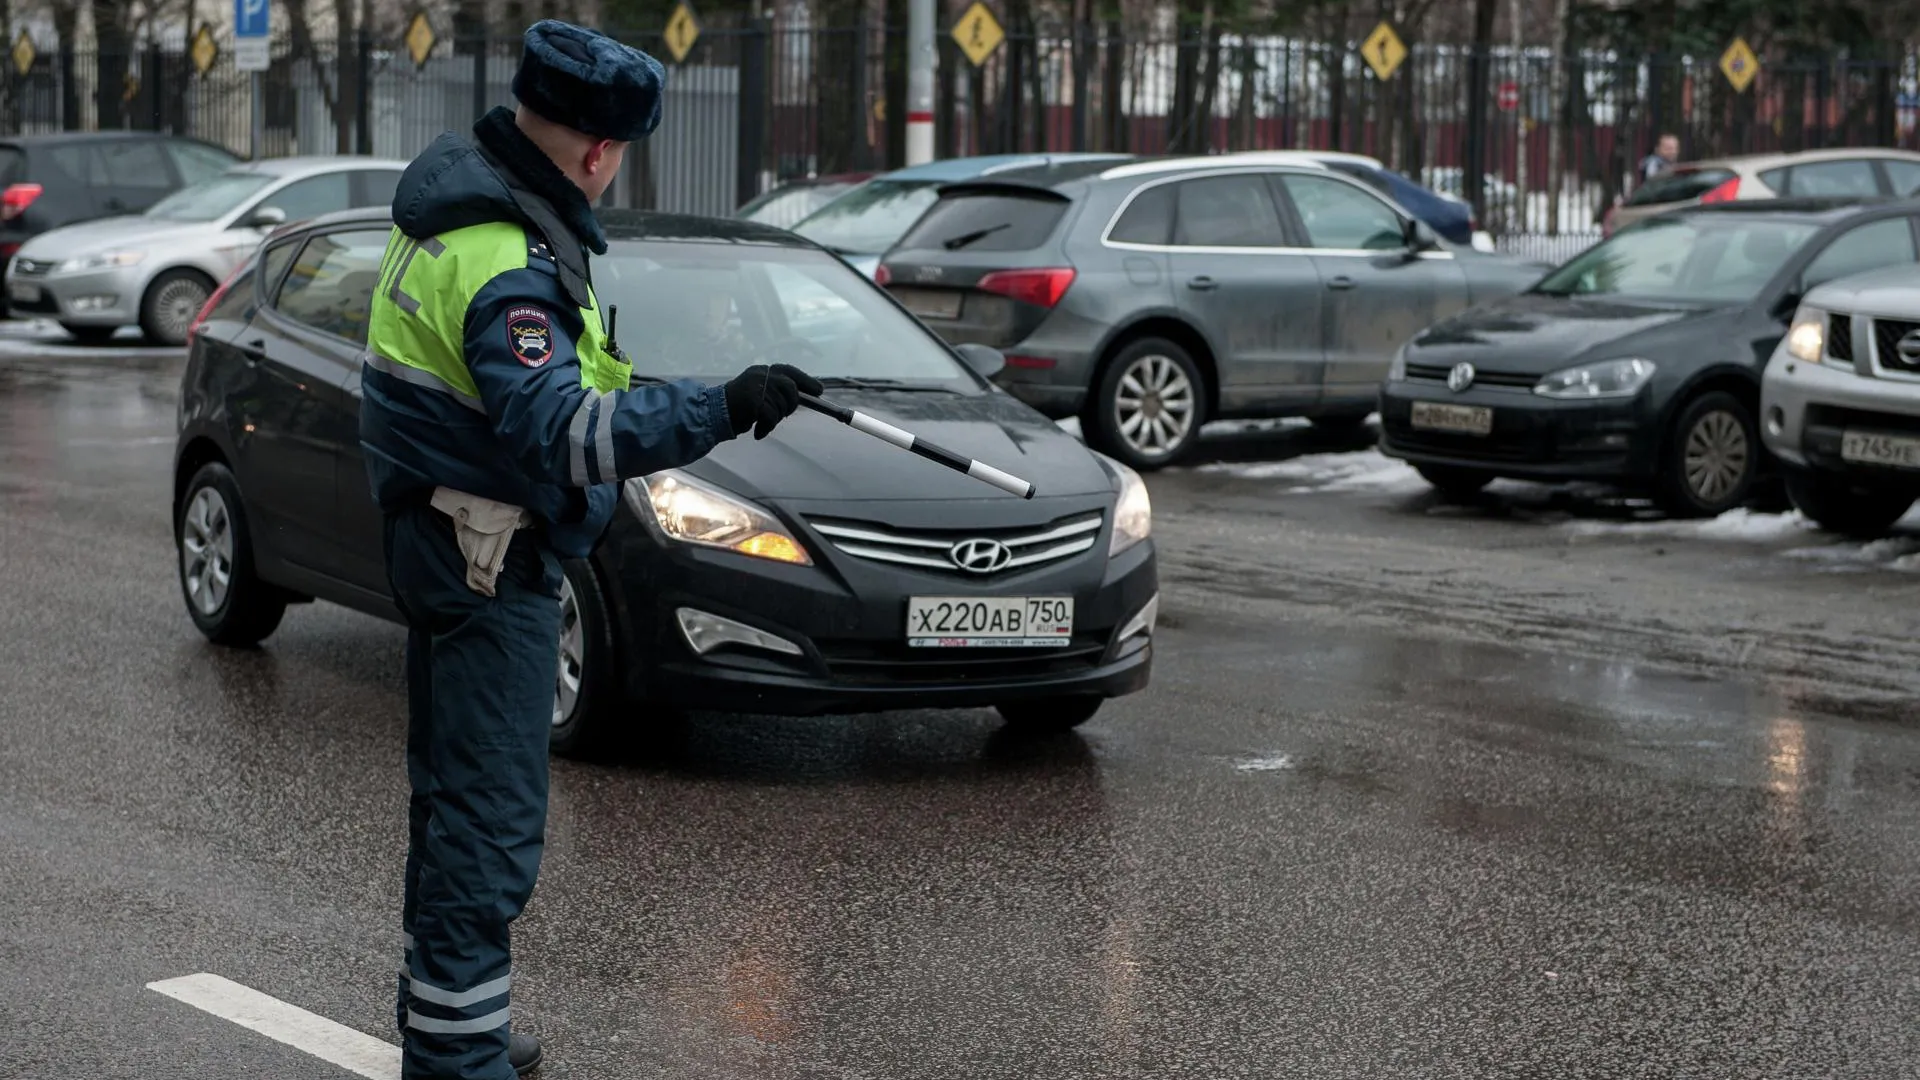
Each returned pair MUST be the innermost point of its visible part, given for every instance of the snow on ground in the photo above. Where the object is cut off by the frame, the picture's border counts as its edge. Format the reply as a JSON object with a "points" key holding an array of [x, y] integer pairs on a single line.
{"points": [[1825, 550], [1742, 524], [1359, 470]]}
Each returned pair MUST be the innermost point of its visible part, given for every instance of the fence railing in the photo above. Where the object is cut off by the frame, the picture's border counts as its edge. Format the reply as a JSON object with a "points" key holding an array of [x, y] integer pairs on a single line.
{"points": [[754, 104]]}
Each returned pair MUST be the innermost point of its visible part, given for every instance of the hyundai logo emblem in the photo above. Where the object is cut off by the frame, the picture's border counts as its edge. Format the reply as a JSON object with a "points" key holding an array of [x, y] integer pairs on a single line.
{"points": [[1460, 377], [980, 556], [1909, 348]]}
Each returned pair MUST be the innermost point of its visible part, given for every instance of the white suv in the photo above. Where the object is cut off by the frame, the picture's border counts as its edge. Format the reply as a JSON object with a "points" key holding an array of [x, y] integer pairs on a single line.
{"points": [[1840, 401]]}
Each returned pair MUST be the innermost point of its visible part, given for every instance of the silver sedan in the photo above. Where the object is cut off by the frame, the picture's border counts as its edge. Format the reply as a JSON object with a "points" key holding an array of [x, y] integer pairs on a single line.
{"points": [[157, 269]]}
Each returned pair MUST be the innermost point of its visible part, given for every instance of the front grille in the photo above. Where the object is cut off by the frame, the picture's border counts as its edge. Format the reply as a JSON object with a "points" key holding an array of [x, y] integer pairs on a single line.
{"points": [[1439, 372], [1839, 419], [31, 267], [1886, 339], [935, 549], [1840, 337]]}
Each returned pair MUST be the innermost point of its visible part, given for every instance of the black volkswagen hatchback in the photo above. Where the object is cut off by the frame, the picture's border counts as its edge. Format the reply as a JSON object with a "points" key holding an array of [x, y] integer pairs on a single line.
{"points": [[817, 571], [1636, 362]]}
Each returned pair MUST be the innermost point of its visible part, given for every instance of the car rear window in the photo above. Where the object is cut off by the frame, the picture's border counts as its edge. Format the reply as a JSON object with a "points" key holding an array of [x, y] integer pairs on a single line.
{"points": [[987, 221], [1680, 185]]}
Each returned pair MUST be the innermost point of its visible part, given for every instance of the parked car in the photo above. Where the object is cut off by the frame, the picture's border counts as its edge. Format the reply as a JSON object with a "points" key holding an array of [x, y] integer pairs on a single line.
{"points": [[1448, 215], [1840, 401], [787, 204], [1638, 361], [1856, 172], [47, 181], [814, 571], [863, 223], [156, 269], [1148, 298]]}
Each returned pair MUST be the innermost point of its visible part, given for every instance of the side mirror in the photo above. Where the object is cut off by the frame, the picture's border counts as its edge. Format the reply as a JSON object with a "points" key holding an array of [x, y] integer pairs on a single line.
{"points": [[984, 360], [266, 217], [1420, 236]]}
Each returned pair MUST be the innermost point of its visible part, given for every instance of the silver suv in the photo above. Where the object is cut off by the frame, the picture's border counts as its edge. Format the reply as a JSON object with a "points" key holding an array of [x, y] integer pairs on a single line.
{"points": [[1841, 401]]}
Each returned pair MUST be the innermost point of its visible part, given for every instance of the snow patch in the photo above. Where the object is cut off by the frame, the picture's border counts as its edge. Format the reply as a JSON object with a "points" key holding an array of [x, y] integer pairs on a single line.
{"points": [[1360, 470], [1742, 524], [1265, 763], [1893, 551]]}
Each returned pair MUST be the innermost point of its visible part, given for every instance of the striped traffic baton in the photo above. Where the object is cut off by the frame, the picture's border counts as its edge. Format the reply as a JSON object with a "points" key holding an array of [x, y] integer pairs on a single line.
{"points": [[907, 440]]}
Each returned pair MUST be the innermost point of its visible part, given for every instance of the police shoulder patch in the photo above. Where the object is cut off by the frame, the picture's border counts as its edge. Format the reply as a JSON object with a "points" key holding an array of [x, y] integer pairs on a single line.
{"points": [[530, 335]]}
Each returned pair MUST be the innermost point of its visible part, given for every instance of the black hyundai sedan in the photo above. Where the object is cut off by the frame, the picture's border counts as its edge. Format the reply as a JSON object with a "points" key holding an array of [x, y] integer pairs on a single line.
{"points": [[816, 571], [1637, 362]]}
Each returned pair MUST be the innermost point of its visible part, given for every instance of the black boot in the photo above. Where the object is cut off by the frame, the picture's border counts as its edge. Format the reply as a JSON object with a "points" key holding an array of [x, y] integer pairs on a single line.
{"points": [[523, 1053]]}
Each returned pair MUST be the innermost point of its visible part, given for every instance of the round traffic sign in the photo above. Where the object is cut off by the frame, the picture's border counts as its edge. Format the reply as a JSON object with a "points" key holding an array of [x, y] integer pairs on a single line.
{"points": [[1509, 96]]}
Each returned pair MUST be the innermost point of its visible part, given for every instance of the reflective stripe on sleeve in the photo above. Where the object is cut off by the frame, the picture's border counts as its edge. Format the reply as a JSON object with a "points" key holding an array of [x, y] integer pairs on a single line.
{"points": [[579, 434], [426, 991], [436, 1026], [603, 440]]}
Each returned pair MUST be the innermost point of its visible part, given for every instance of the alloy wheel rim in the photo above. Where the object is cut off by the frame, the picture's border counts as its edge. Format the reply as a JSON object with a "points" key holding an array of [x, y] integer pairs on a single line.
{"points": [[1717, 455], [1153, 405], [566, 691], [206, 551], [179, 301]]}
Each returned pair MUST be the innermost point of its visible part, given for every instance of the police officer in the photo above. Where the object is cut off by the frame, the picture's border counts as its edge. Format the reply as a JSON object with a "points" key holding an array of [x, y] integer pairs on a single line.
{"points": [[497, 421]]}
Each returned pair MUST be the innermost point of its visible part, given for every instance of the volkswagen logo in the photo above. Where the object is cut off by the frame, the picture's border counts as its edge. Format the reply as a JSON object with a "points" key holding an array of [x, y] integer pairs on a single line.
{"points": [[980, 556], [1460, 377], [1909, 349]]}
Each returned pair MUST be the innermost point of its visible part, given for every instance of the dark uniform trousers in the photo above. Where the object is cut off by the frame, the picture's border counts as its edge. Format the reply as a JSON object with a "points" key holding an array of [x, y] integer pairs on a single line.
{"points": [[480, 678]]}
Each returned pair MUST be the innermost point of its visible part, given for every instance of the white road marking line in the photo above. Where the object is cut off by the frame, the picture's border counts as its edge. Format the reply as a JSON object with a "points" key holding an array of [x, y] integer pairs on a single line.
{"points": [[354, 1051]]}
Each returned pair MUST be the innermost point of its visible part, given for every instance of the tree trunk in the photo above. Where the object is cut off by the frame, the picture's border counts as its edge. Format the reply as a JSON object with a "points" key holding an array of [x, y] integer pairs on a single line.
{"points": [[346, 59], [1557, 119]]}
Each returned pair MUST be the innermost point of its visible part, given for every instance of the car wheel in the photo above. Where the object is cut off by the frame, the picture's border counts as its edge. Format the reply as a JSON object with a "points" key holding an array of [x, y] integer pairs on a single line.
{"points": [[91, 335], [1834, 506], [1711, 458], [1050, 716], [227, 600], [585, 683], [170, 305], [1454, 482], [1150, 403]]}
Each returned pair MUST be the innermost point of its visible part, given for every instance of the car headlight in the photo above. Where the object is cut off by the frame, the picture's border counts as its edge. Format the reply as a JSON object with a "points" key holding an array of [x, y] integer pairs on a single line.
{"points": [[1397, 371], [1132, 512], [101, 261], [694, 512], [1606, 379], [1807, 339]]}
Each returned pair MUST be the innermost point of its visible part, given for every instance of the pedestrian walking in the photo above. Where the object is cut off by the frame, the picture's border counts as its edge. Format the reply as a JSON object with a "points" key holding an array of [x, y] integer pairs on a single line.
{"points": [[1666, 152], [497, 422]]}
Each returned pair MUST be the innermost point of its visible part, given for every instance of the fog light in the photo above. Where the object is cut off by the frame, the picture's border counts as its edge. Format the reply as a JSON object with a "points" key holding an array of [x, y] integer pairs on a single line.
{"points": [[706, 632], [1143, 622], [93, 303], [1776, 421]]}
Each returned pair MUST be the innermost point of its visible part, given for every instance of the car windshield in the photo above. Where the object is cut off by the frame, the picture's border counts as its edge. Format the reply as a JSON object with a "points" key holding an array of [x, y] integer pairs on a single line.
{"points": [[212, 198], [782, 209], [1695, 259], [868, 219], [707, 311]]}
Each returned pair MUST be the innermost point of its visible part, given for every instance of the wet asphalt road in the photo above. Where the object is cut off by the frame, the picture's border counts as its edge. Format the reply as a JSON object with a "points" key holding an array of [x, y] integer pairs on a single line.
{"points": [[1525, 788]]}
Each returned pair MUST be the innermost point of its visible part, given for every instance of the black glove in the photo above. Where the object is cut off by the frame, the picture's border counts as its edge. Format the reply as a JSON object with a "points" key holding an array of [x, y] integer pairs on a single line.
{"points": [[762, 396]]}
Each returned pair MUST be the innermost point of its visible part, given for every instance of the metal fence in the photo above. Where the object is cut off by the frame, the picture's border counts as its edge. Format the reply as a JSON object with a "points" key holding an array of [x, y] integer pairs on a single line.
{"points": [[754, 104]]}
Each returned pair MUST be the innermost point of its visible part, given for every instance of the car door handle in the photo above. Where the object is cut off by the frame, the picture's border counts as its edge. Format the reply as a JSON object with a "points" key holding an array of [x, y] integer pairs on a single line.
{"points": [[255, 350], [1341, 283], [1201, 283]]}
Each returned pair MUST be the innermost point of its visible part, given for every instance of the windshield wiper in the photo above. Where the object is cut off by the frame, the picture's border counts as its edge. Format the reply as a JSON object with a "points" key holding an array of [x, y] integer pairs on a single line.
{"points": [[964, 239], [849, 382]]}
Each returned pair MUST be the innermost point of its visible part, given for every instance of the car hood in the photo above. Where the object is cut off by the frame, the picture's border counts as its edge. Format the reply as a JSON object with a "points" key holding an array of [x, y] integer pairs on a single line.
{"points": [[1890, 291], [811, 458], [115, 234], [1535, 334]]}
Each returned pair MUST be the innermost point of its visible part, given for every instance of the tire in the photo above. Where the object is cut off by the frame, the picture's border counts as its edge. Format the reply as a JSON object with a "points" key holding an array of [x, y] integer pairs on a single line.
{"points": [[1712, 458], [91, 335], [170, 305], [1049, 716], [1454, 482], [1837, 507], [213, 541], [1149, 404], [586, 682]]}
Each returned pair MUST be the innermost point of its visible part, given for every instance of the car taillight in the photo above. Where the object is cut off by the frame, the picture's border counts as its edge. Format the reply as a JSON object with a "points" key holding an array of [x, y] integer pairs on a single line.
{"points": [[1040, 287], [16, 198], [218, 295], [1724, 193], [882, 275]]}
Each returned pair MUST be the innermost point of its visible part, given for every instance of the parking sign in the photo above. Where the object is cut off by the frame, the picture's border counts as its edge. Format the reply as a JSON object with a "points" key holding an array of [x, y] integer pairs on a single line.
{"points": [[252, 34]]}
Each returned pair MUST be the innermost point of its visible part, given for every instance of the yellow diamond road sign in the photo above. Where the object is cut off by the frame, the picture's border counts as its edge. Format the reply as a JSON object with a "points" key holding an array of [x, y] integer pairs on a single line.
{"points": [[1384, 51], [1739, 64], [978, 33], [419, 38], [682, 31], [205, 50], [23, 53]]}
